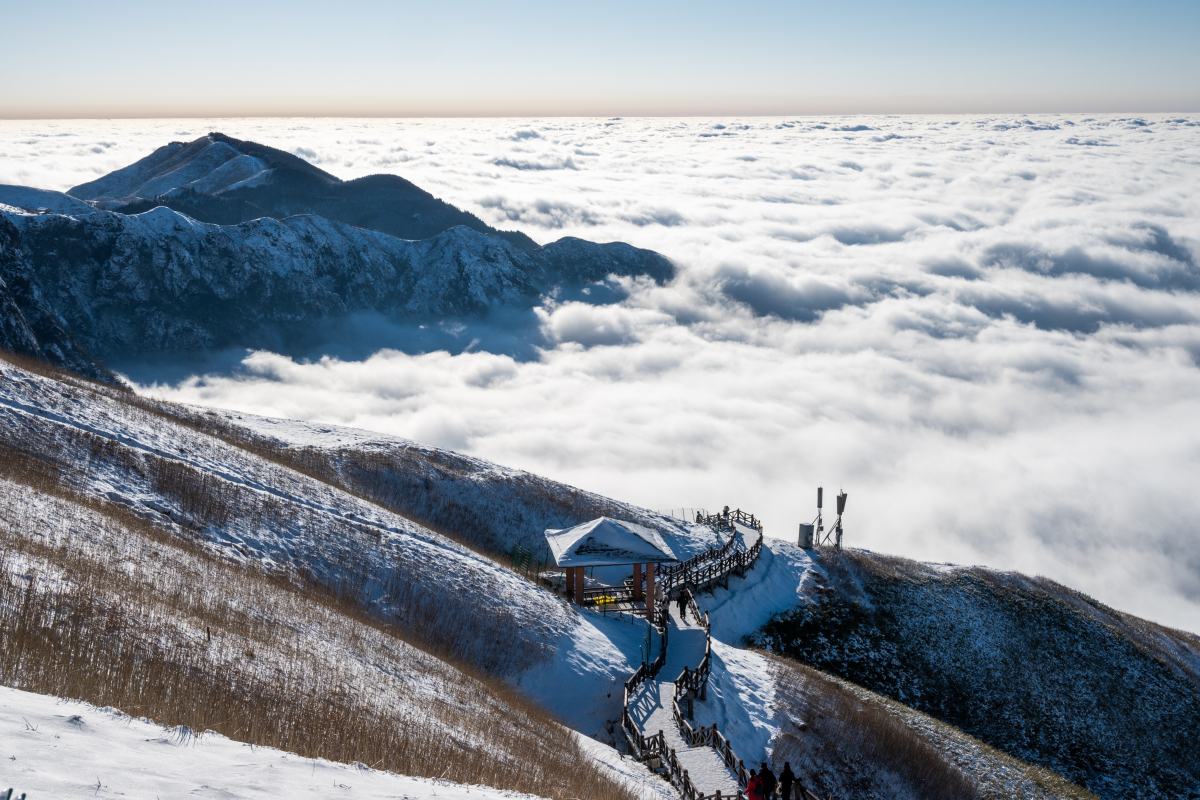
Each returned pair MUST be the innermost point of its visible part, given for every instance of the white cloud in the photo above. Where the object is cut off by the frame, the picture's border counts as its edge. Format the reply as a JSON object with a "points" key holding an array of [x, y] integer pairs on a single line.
{"points": [[986, 329]]}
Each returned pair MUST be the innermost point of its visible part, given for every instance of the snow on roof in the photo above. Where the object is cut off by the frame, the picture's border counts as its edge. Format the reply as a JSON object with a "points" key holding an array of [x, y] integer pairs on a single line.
{"points": [[606, 542]]}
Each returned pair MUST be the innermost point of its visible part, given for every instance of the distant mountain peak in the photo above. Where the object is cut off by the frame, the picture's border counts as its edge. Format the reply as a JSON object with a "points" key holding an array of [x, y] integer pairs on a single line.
{"points": [[226, 181]]}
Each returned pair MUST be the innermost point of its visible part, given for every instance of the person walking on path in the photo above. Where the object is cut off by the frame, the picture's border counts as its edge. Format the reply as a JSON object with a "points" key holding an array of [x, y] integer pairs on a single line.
{"points": [[786, 779], [785, 782], [754, 787], [683, 605], [768, 780]]}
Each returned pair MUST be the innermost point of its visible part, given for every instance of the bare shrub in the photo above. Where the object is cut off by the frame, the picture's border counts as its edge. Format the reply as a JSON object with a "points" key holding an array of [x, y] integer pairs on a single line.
{"points": [[205, 498]]}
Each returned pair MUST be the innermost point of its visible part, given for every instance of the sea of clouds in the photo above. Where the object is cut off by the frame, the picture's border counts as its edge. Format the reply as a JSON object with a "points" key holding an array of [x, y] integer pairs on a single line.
{"points": [[985, 329]]}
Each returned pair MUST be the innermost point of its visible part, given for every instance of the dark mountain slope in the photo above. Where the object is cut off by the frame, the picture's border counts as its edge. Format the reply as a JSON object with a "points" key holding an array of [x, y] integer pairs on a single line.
{"points": [[242, 245], [159, 282], [226, 181], [1032, 668], [28, 324], [126, 286]]}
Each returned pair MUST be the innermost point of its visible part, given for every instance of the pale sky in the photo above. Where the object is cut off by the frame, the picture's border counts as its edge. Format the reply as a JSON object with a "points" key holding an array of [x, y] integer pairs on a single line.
{"points": [[367, 58]]}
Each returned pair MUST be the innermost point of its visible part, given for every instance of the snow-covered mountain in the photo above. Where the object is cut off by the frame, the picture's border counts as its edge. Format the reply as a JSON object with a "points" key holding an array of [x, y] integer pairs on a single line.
{"points": [[223, 180], [221, 242], [81, 288], [283, 556]]}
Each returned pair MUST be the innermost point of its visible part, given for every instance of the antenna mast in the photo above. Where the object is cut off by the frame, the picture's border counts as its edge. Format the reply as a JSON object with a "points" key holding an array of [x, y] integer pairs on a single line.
{"points": [[812, 534], [841, 507]]}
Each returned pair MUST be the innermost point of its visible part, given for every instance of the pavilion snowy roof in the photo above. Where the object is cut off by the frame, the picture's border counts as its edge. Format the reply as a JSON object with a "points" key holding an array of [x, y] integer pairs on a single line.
{"points": [[605, 542]]}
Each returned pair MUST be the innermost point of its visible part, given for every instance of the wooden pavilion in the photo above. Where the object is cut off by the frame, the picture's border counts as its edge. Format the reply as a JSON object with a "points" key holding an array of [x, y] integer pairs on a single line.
{"points": [[606, 542]]}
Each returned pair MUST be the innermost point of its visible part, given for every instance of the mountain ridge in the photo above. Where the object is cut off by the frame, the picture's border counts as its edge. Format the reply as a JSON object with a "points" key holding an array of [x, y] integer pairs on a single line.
{"points": [[160, 282], [1035, 669], [322, 506], [226, 181], [243, 245]]}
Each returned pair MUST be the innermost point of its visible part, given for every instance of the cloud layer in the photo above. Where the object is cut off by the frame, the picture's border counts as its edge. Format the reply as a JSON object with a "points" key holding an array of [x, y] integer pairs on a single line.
{"points": [[986, 329]]}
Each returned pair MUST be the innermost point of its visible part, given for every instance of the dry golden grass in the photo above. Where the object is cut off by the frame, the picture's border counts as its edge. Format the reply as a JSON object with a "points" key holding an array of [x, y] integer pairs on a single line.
{"points": [[344, 556], [846, 744], [100, 605], [849, 731]]}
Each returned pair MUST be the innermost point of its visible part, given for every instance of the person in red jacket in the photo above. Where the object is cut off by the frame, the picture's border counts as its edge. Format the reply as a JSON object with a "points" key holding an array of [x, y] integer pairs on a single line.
{"points": [[754, 787]]}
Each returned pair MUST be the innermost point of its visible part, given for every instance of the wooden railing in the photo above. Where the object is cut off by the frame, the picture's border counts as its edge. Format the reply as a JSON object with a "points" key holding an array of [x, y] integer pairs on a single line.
{"points": [[715, 564], [724, 521], [694, 682], [689, 576], [644, 747]]}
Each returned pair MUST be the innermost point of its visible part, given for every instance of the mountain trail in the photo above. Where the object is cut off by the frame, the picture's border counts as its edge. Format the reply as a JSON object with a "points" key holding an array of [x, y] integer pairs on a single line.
{"points": [[651, 708]]}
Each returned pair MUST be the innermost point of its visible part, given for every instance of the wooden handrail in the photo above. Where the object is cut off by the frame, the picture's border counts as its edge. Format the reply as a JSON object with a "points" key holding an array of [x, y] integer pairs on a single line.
{"points": [[697, 571]]}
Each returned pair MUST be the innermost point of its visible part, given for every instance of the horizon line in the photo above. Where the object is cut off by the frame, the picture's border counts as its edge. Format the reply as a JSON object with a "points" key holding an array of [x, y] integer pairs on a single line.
{"points": [[689, 115]]}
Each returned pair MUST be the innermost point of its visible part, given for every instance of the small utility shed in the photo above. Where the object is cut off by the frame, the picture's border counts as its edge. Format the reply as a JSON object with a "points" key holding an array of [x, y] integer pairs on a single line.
{"points": [[606, 542]]}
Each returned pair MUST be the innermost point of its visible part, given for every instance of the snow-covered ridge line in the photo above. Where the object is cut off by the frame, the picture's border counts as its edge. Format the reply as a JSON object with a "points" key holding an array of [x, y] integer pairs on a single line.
{"points": [[300, 525], [172, 284], [252, 481], [492, 506]]}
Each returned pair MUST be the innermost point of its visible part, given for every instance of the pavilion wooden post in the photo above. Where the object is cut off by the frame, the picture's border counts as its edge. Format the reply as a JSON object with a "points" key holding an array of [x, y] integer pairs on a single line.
{"points": [[637, 583], [580, 585], [650, 593], [570, 574]]}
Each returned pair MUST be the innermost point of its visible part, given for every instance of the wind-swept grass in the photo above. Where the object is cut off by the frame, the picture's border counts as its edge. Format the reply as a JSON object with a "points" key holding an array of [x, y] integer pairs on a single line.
{"points": [[100, 605]]}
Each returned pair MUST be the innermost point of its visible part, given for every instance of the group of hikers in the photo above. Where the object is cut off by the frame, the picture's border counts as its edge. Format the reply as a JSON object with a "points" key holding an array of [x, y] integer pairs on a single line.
{"points": [[762, 784]]}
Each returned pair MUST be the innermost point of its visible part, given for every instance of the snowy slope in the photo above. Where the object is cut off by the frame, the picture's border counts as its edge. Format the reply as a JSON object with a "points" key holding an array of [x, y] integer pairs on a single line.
{"points": [[288, 502], [491, 505], [110, 447], [125, 181], [107, 455], [277, 517], [25, 197], [66, 749], [1030, 667]]}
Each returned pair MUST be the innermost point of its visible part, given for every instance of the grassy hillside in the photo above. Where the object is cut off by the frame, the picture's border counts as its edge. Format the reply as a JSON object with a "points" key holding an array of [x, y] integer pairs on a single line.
{"points": [[1030, 667], [100, 605], [481, 505]]}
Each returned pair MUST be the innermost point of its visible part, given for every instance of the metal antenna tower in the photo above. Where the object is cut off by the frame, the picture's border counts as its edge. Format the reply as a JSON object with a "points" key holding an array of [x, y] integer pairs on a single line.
{"points": [[812, 534]]}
